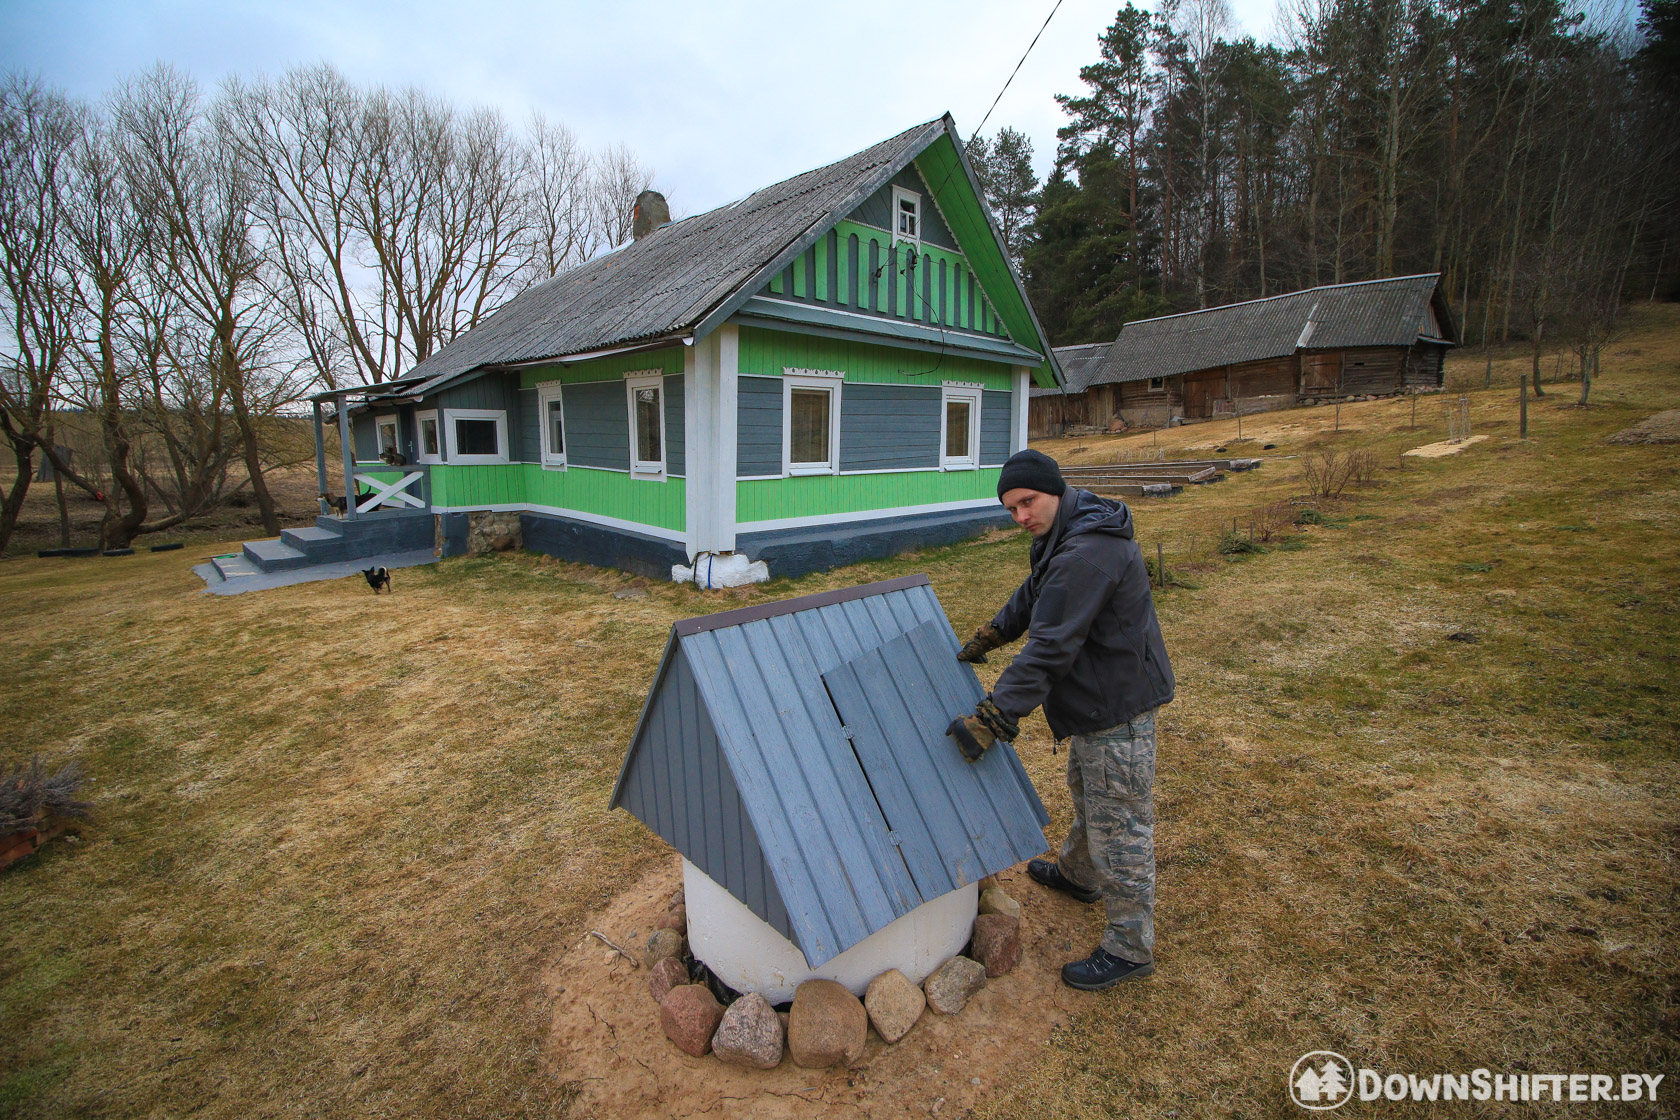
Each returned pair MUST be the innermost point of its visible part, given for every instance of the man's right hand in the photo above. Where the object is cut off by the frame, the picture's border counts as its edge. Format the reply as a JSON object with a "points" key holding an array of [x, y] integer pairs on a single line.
{"points": [[976, 647]]}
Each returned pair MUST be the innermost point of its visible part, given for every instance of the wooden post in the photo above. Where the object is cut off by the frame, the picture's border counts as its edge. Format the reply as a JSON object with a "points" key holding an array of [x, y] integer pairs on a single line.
{"points": [[1251, 530], [1522, 383], [1239, 419], [1338, 416], [320, 459], [1414, 410], [1160, 565], [349, 455]]}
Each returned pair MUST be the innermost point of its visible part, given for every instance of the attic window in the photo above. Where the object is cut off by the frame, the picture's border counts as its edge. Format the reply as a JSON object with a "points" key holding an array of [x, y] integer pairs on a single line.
{"points": [[907, 215]]}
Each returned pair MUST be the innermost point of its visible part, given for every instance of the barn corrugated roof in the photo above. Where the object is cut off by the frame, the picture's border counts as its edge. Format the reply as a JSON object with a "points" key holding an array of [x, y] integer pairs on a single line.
{"points": [[1392, 312], [1079, 365], [685, 276], [796, 753]]}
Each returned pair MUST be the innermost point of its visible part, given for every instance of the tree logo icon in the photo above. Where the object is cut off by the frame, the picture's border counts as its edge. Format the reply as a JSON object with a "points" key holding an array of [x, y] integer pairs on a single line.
{"points": [[1321, 1080]]}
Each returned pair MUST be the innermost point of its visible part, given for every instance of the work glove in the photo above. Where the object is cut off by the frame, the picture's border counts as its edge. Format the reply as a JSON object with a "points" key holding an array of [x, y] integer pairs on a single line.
{"points": [[976, 733], [985, 638]]}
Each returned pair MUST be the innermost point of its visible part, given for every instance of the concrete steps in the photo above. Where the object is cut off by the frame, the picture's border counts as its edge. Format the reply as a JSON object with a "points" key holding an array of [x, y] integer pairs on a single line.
{"points": [[234, 567], [332, 540], [275, 556]]}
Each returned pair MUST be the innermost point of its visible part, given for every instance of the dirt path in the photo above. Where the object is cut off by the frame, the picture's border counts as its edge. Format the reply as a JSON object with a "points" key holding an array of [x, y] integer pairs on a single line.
{"points": [[607, 1045]]}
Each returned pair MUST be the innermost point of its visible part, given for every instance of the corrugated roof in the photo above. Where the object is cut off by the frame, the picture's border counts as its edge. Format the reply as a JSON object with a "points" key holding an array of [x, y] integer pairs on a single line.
{"points": [[1392, 312], [827, 716], [679, 277], [1079, 365]]}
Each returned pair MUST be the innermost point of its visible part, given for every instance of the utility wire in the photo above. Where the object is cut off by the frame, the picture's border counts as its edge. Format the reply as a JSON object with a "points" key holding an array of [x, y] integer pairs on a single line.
{"points": [[956, 164]]}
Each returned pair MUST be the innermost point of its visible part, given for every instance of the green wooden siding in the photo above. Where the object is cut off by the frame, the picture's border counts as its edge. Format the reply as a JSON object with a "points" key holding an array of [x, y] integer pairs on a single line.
{"points": [[606, 493], [946, 293], [610, 368], [764, 353], [774, 499]]}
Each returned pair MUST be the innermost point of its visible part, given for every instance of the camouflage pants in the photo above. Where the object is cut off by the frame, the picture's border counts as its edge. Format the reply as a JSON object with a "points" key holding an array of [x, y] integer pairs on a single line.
{"points": [[1111, 846]]}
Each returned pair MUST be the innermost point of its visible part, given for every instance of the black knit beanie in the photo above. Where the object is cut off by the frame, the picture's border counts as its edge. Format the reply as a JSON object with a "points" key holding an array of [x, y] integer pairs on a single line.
{"points": [[1031, 470]]}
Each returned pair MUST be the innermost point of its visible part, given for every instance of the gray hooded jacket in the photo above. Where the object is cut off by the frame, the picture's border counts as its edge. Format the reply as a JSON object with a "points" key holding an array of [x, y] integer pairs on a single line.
{"points": [[1094, 656]]}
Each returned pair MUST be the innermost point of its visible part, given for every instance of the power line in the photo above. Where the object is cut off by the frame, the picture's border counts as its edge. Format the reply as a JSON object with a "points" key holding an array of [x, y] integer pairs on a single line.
{"points": [[958, 163]]}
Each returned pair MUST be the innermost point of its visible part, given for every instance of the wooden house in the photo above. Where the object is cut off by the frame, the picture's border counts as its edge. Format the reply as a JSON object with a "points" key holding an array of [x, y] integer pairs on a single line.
{"points": [[1336, 342], [830, 369], [794, 753]]}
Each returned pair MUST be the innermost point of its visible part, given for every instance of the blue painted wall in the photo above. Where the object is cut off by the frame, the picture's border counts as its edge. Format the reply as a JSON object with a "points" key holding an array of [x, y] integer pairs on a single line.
{"points": [[888, 427], [758, 426], [996, 427]]}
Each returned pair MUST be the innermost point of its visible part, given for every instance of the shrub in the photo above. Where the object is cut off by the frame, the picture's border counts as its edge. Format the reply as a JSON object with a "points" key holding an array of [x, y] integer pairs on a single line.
{"points": [[1273, 520], [1327, 470], [1235, 544], [1362, 467], [27, 793]]}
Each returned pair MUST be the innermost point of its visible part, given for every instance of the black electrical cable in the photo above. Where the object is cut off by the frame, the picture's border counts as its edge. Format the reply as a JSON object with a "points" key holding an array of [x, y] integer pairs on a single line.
{"points": [[909, 262]]}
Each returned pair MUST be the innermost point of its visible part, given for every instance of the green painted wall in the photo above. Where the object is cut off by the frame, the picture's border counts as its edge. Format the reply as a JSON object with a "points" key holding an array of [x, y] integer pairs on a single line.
{"points": [[611, 368], [921, 307], [607, 493], [764, 353], [822, 495]]}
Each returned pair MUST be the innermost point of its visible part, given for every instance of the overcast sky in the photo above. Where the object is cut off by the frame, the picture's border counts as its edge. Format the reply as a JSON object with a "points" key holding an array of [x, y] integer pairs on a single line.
{"points": [[719, 98]]}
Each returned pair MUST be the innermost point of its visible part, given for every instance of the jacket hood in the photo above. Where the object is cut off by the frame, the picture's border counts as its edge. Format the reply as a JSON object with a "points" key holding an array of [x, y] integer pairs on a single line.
{"points": [[1083, 512]]}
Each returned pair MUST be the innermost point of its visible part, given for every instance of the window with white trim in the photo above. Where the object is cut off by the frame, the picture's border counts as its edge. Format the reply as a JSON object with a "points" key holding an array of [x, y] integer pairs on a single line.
{"points": [[646, 394], [1156, 384], [811, 421], [475, 435], [552, 413], [959, 432], [385, 431], [431, 436], [907, 215]]}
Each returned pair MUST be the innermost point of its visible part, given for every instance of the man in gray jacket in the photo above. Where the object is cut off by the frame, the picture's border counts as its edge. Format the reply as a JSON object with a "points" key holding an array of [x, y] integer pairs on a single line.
{"points": [[1095, 660]]}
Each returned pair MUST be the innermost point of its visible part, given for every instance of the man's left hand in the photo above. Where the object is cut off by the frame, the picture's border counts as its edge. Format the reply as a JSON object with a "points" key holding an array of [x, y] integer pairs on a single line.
{"points": [[976, 733]]}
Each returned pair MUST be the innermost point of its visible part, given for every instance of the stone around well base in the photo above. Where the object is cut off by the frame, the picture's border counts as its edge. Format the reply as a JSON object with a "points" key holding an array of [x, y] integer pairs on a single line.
{"points": [[997, 943], [666, 973], [750, 1034], [690, 1015], [995, 900], [953, 984], [663, 943], [828, 1025], [894, 1004]]}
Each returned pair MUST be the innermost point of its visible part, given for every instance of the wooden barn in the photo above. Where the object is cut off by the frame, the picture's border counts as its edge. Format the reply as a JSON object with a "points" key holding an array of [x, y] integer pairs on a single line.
{"points": [[1341, 341]]}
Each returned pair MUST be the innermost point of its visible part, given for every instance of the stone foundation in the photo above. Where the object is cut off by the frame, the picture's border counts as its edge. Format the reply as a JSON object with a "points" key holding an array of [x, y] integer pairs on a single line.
{"points": [[493, 532]]}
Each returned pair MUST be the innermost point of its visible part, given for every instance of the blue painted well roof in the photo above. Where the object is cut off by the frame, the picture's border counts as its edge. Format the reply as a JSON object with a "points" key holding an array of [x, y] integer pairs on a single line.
{"points": [[796, 753]]}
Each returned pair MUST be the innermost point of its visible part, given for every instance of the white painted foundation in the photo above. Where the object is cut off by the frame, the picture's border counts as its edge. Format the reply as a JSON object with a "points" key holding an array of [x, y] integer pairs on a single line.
{"points": [[749, 955]]}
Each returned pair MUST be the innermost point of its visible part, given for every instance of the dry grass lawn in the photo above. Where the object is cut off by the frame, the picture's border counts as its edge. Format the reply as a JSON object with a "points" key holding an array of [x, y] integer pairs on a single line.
{"points": [[1417, 801]]}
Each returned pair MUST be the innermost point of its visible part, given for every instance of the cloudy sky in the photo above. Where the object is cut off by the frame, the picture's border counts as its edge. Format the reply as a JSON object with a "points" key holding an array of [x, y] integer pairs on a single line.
{"points": [[719, 98]]}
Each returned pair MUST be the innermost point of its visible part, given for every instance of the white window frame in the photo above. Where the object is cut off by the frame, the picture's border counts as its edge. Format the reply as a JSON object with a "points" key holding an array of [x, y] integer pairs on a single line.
{"points": [[1157, 384], [644, 379], [916, 198], [825, 379], [450, 415], [961, 391], [380, 420], [551, 459], [420, 418]]}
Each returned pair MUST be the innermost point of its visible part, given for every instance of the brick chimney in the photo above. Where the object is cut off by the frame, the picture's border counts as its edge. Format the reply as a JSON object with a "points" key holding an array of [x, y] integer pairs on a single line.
{"points": [[650, 213]]}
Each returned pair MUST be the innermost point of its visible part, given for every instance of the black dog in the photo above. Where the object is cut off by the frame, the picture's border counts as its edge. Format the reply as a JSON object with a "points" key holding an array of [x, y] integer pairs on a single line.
{"points": [[377, 578]]}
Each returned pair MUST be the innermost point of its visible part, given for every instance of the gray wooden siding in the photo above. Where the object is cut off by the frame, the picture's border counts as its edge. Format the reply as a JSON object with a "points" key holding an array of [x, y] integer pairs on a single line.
{"points": [[888, 427], [679, 785], [597, 425], [364, 438], [527, 438], [498, 392], [997, 427], [876, 210], [758, 426], [675, 462]]}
